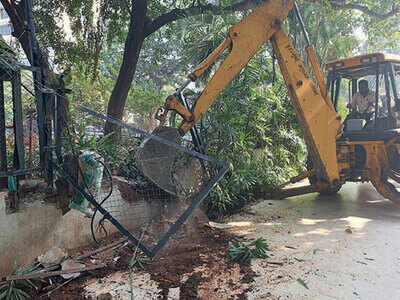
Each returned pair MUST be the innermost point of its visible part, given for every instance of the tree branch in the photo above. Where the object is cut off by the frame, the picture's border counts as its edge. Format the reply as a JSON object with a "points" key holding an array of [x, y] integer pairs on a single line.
{"points": [[177, 14], [367, 11], [340, 5], [17, 20]]}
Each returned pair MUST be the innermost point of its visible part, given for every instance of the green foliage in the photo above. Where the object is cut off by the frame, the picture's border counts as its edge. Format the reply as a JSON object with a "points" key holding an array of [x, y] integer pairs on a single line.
{"points": [[138, 261], [335, 32], [143, 97], [253, 126], [342, 110], [302, 282], [110, 149], [331, 31], [161, 59], [16, 289], [86, 92], [243, 252], [382, 35], [6, 56], [80, 31]]}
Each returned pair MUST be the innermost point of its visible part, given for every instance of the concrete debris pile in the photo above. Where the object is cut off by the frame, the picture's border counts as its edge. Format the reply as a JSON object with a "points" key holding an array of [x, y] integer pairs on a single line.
{"points": [[56, 268]]}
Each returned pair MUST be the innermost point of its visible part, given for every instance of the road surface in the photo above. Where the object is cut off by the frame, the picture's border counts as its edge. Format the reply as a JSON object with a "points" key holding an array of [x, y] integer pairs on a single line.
{"points": [[345, 246]]}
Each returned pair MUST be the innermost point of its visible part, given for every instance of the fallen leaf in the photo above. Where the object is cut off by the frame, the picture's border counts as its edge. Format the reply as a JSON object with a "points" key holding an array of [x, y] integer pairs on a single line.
{"points": [[298, 259], [316, 250], [290, 247], [275, 263], [301, 281]]}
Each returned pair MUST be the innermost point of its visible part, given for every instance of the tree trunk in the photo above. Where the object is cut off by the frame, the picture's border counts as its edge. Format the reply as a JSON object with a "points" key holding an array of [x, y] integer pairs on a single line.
{"points": [[15, 12], [95, 70], [133, 45]]}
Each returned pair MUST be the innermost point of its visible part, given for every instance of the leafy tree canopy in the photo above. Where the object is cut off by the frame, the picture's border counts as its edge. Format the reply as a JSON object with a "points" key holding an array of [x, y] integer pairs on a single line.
{"points": [[96, 25]]}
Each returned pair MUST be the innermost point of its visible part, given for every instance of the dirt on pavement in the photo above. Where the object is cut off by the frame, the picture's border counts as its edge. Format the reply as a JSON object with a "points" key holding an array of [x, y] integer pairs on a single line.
{"points": [[199, 266], [336, 247]]}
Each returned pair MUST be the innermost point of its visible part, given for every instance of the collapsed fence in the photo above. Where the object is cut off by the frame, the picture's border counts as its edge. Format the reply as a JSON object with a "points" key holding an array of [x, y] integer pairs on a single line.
{"points": [[96, 174], [106, 176]]}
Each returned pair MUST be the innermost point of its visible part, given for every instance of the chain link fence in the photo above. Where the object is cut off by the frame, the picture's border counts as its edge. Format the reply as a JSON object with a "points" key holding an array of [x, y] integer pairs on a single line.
{"points": [[146, 186]]}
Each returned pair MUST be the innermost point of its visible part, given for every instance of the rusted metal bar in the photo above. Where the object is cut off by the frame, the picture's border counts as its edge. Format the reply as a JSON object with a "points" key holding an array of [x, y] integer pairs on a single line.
{"points": [[285, 193], [30, 141], [108, 247], [19, 172], [19, 153], [3, 150], [298, 178], [53, 273]]}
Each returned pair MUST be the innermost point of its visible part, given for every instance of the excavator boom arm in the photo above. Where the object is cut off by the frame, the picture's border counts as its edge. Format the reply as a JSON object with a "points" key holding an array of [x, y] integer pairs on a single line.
{"points": [[316, 115], [244, 40], [318, 120]]}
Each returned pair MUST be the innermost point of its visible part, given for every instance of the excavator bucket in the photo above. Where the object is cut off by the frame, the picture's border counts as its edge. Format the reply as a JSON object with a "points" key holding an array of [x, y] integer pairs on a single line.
{"points": [[173, 171], [156, 160]]}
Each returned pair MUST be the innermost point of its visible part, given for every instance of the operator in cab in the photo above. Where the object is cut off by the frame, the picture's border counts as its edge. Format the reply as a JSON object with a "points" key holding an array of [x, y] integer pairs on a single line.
{"points": [[364, 100]]}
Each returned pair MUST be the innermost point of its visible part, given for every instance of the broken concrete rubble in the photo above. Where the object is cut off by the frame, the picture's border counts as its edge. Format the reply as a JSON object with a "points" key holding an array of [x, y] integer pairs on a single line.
{"points": [[53, 256], [68, 265]]}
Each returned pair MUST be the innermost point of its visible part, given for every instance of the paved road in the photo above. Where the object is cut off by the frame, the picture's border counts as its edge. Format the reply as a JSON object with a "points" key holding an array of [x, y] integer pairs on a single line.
{"points": [[339, 247], [345, 246]]}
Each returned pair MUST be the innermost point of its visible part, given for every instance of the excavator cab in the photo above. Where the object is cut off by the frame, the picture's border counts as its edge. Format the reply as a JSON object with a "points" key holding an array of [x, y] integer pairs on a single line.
{"points": [[373, 115], [369, 148]]}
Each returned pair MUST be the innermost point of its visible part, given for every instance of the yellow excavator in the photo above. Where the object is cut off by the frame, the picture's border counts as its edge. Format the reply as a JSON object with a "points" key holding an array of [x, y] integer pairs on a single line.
{"points": [[365, 147]]}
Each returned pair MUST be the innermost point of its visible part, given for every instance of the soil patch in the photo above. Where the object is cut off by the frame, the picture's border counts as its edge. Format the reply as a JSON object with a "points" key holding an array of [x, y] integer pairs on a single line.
{"points": [[200, 267], [198, 264]]}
